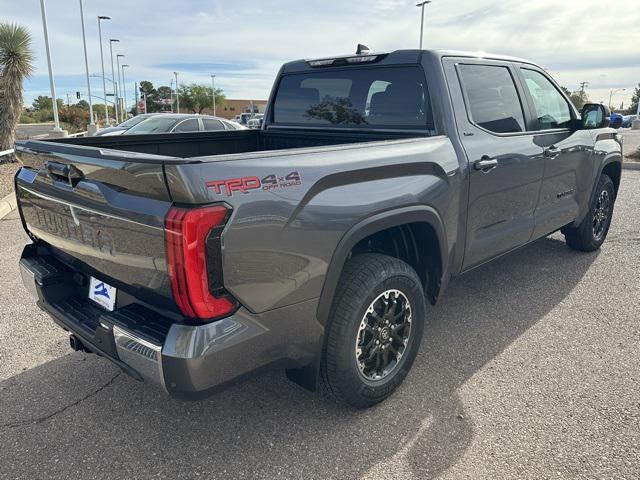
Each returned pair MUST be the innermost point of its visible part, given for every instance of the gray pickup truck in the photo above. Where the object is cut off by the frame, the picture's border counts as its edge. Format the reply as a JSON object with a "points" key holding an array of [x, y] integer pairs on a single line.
{"points": [[313, 244]]}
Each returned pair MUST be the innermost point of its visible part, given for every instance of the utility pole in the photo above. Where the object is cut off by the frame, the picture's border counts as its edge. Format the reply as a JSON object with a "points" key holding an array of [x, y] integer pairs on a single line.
{"points": [[213, 89], [136, 87], [57, 131], [177, 93], [422, 5], [171, 89], [582, 87], [104, 82], [91, 129]]}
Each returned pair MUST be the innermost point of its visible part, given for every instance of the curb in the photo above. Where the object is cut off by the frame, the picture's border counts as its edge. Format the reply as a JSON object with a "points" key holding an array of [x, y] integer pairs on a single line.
{"points": [[631, 165], [7, 205]]}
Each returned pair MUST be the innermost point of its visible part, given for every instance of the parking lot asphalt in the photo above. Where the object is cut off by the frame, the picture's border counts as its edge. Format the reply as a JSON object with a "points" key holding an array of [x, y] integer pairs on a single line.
{"points": [[530, 368]]}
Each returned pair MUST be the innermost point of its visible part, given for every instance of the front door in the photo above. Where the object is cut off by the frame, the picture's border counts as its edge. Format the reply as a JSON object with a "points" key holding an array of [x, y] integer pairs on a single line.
{"points": [[568, 152], [506, 165]]}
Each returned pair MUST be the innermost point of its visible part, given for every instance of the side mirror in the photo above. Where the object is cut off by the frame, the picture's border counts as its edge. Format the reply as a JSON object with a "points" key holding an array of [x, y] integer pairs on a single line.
{"points": [[595, 115]]}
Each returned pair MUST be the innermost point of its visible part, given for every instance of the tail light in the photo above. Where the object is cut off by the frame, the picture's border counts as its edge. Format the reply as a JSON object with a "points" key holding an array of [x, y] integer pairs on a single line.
{"points": [[194, 252]]}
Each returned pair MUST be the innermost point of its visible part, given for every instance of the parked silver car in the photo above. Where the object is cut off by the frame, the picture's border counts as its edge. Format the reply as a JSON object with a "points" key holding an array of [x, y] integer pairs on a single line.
{"points": [[124, 126], [181, 123]]}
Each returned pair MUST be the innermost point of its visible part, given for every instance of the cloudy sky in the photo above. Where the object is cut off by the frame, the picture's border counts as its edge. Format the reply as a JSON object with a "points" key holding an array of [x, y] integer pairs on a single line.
{"points": [[244, 42]]}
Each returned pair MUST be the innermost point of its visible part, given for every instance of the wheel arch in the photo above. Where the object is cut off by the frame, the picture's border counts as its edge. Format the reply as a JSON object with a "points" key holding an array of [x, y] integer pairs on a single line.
{"points": [[613, 169], [402, 217]]}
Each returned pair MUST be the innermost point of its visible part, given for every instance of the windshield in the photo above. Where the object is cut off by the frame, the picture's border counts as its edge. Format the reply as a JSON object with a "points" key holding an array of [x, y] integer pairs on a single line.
{"points": [[156, 124], [133, 121], [383, 97]]}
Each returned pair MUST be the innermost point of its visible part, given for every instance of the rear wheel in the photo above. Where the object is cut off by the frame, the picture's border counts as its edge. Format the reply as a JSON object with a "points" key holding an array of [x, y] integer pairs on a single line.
{"points": [[375, 330], [592, 231]]}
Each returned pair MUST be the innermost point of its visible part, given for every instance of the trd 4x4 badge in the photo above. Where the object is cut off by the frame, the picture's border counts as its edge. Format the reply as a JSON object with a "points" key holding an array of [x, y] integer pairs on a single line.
{"points": [[246, 184]]}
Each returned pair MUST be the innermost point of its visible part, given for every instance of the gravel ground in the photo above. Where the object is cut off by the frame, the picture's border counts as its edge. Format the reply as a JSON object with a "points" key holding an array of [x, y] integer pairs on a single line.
{"points": [[7, 171], [529, 369]]}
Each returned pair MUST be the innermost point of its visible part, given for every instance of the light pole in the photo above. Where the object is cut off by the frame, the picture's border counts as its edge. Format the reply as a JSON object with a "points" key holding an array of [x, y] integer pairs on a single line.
{"points": [[124, 91], [422, 5], [118, 56], [104, 83], [177, 94], [56, 121], [213, 89], [113, 78], [615, 90], [171, 90], [92, 125]]}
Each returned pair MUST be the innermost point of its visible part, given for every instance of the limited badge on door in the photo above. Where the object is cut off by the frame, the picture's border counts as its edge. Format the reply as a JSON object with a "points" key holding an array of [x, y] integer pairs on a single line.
{"points": [[102, 293]]}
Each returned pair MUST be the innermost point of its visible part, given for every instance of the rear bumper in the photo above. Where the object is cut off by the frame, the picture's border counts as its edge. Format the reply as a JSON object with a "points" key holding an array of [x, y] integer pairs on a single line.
{"points": [[188, 361]]}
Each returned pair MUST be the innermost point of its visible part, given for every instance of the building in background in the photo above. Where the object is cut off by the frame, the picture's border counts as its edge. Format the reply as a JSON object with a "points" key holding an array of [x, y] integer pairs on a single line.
{"points": [[230, 108]]}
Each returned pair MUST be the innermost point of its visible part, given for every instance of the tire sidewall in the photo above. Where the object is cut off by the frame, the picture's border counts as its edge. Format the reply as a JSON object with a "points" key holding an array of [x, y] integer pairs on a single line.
{"points": [[605, 183], [351, 376]]}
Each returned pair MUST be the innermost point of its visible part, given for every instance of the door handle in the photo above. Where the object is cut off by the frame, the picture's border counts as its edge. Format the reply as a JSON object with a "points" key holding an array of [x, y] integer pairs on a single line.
{"points": [[552, 151], [60, 171], [486, 164]]}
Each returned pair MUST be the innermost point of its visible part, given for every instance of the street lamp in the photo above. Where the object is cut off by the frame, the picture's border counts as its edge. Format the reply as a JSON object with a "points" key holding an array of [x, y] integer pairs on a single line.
{"points": [[56, 121], [104, 83], [213, 89], [615, 90], [92, 125], [113, 78], [118, 56], [177, 94], [422, 5], [124, 91]]}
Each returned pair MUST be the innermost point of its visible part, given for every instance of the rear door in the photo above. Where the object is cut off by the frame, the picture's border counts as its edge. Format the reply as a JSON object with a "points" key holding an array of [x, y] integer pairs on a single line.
{"points": [[505, 163], [568, 152]]}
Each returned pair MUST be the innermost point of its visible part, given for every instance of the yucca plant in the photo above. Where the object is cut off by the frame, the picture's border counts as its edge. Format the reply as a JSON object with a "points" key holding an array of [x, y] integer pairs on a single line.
{"points": [[16, 64]]}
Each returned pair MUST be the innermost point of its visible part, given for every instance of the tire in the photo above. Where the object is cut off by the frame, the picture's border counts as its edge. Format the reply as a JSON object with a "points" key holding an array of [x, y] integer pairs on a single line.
{"points": [[369, 284], [592, 231]]}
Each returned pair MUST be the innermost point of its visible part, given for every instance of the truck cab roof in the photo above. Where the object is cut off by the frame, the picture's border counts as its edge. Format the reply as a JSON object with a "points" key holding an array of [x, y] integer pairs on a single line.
{"points": [[395, 57]]}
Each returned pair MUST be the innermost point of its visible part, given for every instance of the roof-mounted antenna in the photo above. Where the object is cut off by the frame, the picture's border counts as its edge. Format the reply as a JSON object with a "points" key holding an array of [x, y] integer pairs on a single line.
{"points": [[363, 50]]}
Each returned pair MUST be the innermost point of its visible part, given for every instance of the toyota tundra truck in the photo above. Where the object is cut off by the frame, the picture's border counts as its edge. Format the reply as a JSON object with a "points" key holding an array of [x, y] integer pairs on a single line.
{"points": [[313, 244]]}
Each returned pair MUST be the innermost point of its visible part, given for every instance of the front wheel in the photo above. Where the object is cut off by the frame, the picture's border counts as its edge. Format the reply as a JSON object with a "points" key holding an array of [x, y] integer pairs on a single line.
{"points": [[375, 330], [592, 231]]}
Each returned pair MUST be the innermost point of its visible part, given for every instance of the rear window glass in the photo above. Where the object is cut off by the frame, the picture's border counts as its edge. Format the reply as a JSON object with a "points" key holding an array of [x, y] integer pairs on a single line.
{"points": [[389, 97], [133, 121]]}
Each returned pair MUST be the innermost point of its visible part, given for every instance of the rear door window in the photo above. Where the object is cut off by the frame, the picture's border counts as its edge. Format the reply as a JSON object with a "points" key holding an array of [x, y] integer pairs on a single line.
{"points": [[190, 125], [383, 97], [493, 101], [211, 124]]}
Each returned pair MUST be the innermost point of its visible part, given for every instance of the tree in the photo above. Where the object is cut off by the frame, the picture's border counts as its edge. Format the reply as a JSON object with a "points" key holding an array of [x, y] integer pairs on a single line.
{"points": [[633, 108], [83, 104], [197, 98], [76, 116], [157, 99], [16, 64], [42, 102], [577, 97]]}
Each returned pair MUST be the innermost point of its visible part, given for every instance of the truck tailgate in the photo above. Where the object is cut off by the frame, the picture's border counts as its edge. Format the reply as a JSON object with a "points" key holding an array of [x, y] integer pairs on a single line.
{"points": [[103, 212]]}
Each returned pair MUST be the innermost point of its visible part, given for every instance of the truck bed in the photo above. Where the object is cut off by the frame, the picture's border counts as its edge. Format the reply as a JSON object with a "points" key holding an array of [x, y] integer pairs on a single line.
{"points": [[199, 144]]}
